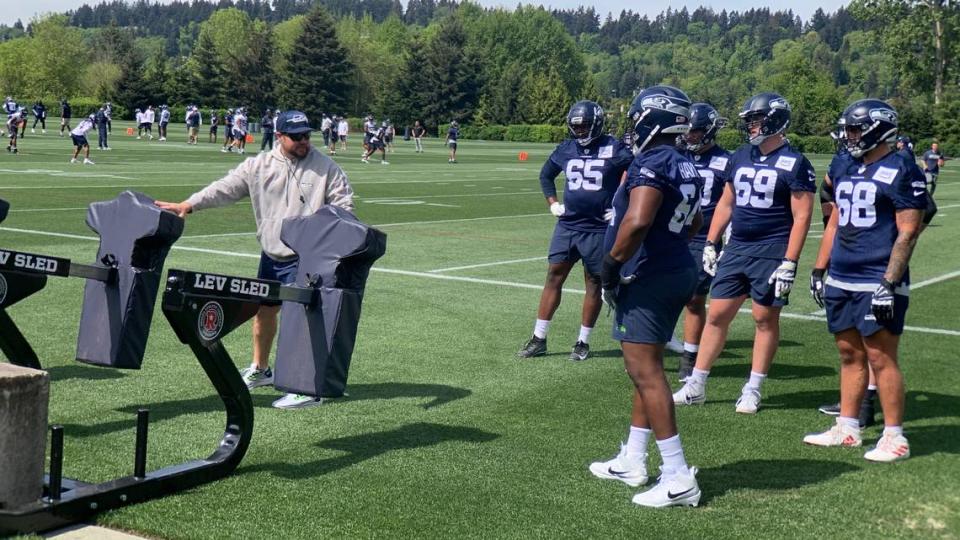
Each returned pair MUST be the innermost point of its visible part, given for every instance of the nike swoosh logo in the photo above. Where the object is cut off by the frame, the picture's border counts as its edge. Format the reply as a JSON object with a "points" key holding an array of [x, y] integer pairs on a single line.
{"points": [[671, 495], [917, 193], [617, 473]]}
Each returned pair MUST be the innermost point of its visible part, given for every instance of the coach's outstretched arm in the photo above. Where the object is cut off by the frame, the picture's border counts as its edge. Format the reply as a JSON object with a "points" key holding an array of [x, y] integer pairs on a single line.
{"points": [[229, 189]]}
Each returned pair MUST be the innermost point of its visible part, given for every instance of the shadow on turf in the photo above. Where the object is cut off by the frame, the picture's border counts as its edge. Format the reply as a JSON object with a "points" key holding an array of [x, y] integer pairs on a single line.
{"points": [[79, 371], [167, 410], [768, 474], [919, 405], [360, 448], [779, 371]]}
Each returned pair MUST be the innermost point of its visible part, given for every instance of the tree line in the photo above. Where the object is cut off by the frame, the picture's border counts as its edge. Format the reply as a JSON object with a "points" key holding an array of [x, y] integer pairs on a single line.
{"points": [[443, 60]]}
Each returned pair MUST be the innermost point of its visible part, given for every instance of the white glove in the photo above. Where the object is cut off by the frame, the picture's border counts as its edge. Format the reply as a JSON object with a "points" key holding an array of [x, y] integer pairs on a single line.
{"points": [[782, 278], [710, 258], [608, 215], [557, 209]]}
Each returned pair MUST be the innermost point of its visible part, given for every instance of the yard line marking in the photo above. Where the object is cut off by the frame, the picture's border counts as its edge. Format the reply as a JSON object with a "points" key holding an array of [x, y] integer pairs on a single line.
{"points": [[124, 186], [47, 209], [481, 265], [456, 195], [438, 221], [798, 316], [948, 206], [218, 235], [914, 286]]}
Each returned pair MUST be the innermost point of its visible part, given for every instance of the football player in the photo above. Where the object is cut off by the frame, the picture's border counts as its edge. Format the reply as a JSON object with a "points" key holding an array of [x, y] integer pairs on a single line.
{"points": [[932, 161], [39, 115], [13, 127], [880, 198], [648, 275], [452, 135], [768, 200], [240, 129], [65, 113], [375, 138], [418, 132], [228, 132], [164, 120], [699, 144], [79, 137], [593, 165]]}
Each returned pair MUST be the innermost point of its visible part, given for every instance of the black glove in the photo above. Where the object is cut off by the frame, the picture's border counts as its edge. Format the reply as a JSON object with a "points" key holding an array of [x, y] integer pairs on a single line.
{"points": [[816, 285], [882, 302], [610, 279]]}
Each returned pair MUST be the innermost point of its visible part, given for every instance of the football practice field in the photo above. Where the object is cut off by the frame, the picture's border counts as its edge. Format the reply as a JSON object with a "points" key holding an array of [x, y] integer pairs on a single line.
{"points": [[445, 433]]}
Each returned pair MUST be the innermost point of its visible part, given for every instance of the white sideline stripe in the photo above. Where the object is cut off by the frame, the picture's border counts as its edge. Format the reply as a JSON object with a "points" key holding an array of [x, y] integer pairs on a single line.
{"points": [[123, 186], [797, 316], [218, 235], [390, 224], [948, 206], [451, 269], [47, 209], [914, 286], [373, 200]]}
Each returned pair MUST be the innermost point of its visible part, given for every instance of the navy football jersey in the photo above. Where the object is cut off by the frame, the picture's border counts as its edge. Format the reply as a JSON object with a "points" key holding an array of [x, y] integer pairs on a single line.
{"points": [[762, 217], [868, 197], [838, 165], [712, 166], [593, 173], [665, 247]]}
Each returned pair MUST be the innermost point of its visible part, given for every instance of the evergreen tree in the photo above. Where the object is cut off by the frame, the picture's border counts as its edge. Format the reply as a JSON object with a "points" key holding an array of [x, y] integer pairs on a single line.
{"points": [[451, 74], [318, 72], [204, 73]]}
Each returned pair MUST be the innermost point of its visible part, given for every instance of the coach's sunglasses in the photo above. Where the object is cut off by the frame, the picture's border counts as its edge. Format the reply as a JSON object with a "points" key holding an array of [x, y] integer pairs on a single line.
{"points": [[297, 137]]}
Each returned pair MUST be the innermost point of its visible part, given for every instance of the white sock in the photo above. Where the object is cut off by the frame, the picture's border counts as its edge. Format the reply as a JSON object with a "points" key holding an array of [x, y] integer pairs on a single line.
{"points": [[892, 431], [872, 387], [851, 423], [699, 377], [540, 328], [756, 380], [690, 347], [585, 334], [672, 453], [637, 440]]}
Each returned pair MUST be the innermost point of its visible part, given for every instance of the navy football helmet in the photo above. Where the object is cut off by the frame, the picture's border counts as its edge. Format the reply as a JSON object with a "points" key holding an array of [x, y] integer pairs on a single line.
{"points": [[768, 111], [585, 121], [658, 110], [704, 118], [868, 123]]}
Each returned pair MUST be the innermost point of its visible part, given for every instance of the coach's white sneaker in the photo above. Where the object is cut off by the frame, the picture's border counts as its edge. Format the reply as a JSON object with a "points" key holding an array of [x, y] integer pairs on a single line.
{"points": [[297, 401], [254, 378], [73, 160], [673, 489], [889, 448], [749, 401], [87, 162], [627, 468], [690, 394], [674, 345], [32, 130], [838, 435]]}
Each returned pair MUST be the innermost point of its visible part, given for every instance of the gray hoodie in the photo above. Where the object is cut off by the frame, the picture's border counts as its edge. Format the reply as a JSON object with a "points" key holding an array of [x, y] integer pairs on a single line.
{"points": [[279, 188]]}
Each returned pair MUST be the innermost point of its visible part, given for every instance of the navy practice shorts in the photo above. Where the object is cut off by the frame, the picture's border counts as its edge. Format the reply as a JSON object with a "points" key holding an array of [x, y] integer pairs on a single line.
{"points": [[851, 309], [283, 271], [648, 308], [568, 245], [704, 279], [739, 275], [79, 140]]}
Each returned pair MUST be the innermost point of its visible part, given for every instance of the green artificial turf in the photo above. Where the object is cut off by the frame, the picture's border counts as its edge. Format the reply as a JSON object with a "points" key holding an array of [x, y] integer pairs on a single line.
{"points": [[445, 434]]}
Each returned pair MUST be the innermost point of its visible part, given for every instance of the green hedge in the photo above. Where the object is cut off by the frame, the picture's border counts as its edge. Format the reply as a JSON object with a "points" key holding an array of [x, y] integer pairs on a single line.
{"points": [[516, 132], [79, 107], [810, 144]]}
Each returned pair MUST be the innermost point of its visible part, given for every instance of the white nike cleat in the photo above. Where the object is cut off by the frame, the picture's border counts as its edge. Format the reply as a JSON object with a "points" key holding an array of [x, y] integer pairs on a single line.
{"points": [[629, 469], [673, 489], [33, 130], [73, 160], [297, 401], [88, 162], [691, 394], [889, 448], [674, 345], [838, 435], [749, 401], [384, 162]]}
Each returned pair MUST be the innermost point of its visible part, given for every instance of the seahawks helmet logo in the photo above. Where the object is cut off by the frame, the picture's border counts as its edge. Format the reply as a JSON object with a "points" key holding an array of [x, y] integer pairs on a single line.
{"points": [[210, 321], [779, 103], [886, 115], [664, 103], [3, 289]]}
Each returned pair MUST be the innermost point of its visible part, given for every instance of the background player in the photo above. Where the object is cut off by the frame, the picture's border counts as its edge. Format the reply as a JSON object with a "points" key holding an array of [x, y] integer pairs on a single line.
{"points": [[769, 201], [593, 164], [711, 162], [881, 198]]}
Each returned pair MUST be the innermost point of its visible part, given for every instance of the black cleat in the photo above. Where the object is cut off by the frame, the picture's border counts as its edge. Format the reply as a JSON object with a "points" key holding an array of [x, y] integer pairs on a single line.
{"points": [[534, 347], [867, 410], [832, 409], [580, 351]]}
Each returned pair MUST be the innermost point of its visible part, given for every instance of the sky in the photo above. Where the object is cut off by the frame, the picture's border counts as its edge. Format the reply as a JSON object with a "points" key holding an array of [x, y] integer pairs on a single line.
{"points": [[27, 9]]}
